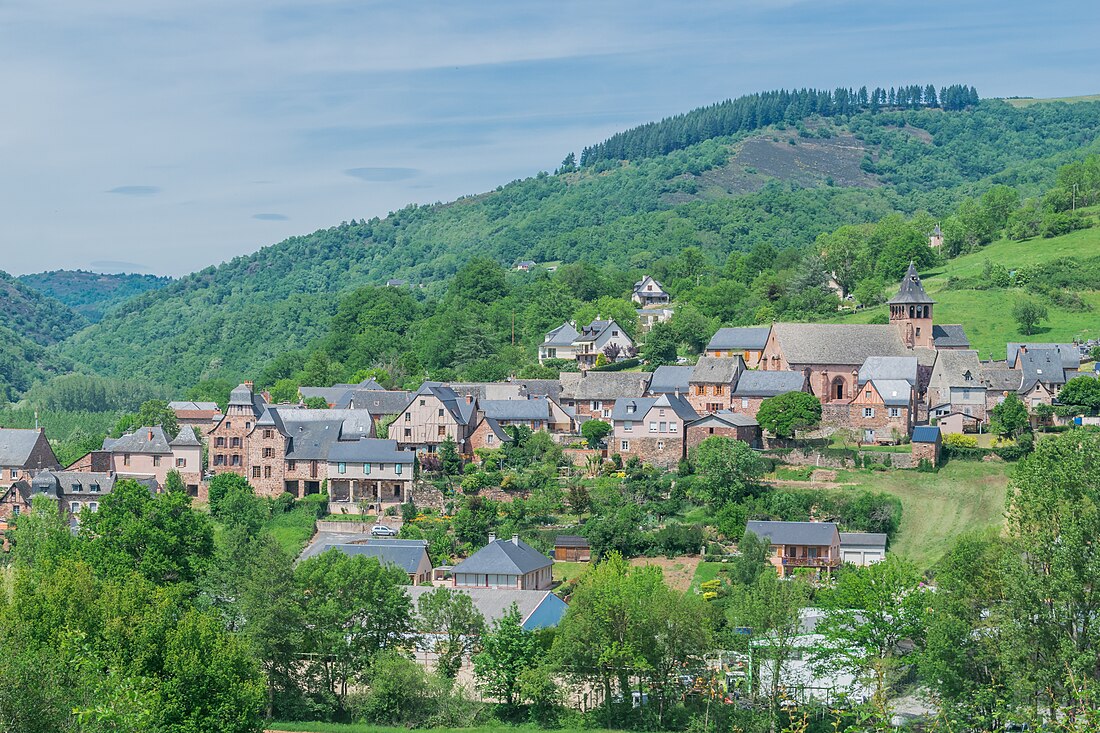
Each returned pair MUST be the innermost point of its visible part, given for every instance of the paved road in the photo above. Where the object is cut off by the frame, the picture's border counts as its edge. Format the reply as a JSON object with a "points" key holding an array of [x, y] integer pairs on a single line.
{"points": [[327, 537]]}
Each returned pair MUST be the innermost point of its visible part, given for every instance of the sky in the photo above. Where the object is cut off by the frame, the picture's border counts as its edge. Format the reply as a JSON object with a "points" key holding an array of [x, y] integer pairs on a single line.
{"points": [[163, 136]]}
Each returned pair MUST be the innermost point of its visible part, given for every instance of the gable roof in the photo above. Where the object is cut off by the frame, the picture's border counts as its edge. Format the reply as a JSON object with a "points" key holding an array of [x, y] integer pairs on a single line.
{"points": [[951, 335], [143, 440], [837, 343], [757, 383], [746, 337], [911, 291], [667, 378], [504, 557], [186, 438], [595, 330], [603, 385], [537, 608], [311, 440], [894, 392], [1071, 355], [925, 434], [243, 395], [537, 408], [570, 540], [16, 445], [996, 375], [369, 450], [889, 367], [863, 539], [189, 406], [641, 405], [458, 408], [794, 533], [563, 335], [717, 369], [405, 554], [648, 279], [728, 417], [951, 368], [60, 484], [1041, 365], [377, 402]]}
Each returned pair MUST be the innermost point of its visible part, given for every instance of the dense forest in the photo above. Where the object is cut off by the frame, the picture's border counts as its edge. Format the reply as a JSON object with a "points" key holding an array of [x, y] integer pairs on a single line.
{"points": [[91, 294], [226, 322], [755, 111]]}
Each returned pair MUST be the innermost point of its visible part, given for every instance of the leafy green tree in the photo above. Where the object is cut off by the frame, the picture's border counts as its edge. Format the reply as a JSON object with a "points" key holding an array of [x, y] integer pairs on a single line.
{"points": [[284, 391], [783, 414], [352, 610], [578, 499], [594, 431], [223, 484], [451, 620], [449, 460], [507, 651], [1028, 313], [1083, 392], [41, 537], [174, 482], [162, 537], [151, 414], [660, 344], [212, 390], [871, 615], [1010, 418], [475, 520], [316, 403], [727, 470], [620, 310]]}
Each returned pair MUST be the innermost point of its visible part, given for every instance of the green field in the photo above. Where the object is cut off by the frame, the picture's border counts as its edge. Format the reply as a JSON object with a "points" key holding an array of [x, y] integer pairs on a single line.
{"points": [[704, 572], [1068, 100], [568, 570], [293, 529], [987, 314], [937, 507]]}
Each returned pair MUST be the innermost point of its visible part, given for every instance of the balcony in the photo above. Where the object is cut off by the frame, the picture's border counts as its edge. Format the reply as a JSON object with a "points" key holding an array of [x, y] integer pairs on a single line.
{"points": [[811, 562]]}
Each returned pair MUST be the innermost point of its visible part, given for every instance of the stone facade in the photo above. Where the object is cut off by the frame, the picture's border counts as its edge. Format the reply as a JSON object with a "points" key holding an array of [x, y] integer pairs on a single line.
{"points": [[697, 434], [427, 422], [926, 451], [228, 439], [710, 397], [20, 464]]}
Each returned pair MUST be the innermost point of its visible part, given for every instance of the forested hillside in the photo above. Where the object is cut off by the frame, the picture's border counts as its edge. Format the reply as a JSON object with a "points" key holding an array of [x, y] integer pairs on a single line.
{"points": [[723, 195], [91, 294]]}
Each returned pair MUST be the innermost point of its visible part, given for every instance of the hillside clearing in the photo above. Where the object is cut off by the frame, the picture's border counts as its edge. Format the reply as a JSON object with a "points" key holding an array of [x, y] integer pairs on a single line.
{"points": [[1050, 100]]}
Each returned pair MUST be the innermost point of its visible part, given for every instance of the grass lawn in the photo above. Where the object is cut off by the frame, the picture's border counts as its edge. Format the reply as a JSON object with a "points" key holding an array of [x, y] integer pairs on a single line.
{"points": [[1068, 100], [937, 507], [793, 473], [704, 572], [568, 570], [293, 529]]}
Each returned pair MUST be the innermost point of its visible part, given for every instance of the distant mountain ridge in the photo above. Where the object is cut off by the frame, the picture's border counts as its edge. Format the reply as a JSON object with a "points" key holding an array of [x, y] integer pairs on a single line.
{"points": [[228, 321], [91, 294]]}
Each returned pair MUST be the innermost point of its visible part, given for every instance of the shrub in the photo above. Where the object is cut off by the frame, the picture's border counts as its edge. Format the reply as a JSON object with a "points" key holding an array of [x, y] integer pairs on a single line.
{"points": [[955, 440]]}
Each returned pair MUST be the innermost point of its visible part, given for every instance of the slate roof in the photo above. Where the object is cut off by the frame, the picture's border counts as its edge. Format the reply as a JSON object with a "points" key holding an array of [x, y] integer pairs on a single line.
{"points": [[461, 410], [1041, 365], [570, 540], [533, 409], [594, 330], [186, 438], [793, 533], [143, 440], [911, 291], [500, 432], [649, 278], [493, 603], [679, 406], [894, 392], [951, 335], [368, 450], [331, 395], [733, 419], [749, 338], [863, 539], [376, 402], [758, 383], [16, 445], [603, 385], [837, 343], [996, 375], [59, 484], [925, 434], [1070, 354], [504, 557], [670, 379], [311, 440], [243, 395], [951, 368], [188, 406], [563, 335], [404, 554], [889, 367], [717, 369]]}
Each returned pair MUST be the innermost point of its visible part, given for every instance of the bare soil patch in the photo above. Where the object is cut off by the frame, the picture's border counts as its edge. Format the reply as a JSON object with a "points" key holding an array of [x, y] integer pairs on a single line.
{"points": [[678, 571]]}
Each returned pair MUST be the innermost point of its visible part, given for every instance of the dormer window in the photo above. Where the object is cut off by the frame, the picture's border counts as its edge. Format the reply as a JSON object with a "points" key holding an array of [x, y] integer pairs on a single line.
{"points": [[631, 408], [968, 376]]}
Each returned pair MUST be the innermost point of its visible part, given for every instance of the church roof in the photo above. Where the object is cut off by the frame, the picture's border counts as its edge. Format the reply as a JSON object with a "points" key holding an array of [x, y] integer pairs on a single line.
{"points": [[911, 290]]}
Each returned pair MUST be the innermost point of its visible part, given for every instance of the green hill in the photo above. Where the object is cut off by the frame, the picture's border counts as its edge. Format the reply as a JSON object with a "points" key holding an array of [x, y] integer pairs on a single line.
{"points": [[780, 186], [986, 312], [29, 322], [91, 294]]}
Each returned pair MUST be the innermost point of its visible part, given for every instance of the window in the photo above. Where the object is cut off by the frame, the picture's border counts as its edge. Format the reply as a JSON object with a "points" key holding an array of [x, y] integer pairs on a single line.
{"points": [[441, 430], [14, 473], [720, 390], [408, 432], [269, 452], [235, 461], [219, 459], [440, 412], [291, 465], [628, 425], [661, 413], [341, 468], [631, 408], [653, 427], [247, 425], [219, 442], [94, 488], [74, 506], [181, 462], [77, 488], [255, 472], [867, 395], [366, 468], [700, 390], [624, 445], [595, 405], [15, 510], [674, 427], [490, 439], [125, 462], [397, 468], [156, 460], [660, 445], [744, 403], [868, 412], [267, 471], [268, 434], [408, 417], [228, 424], [614, 334], [93, 506], [664, 427], [895, 412], [422, 403], [234, 442]]}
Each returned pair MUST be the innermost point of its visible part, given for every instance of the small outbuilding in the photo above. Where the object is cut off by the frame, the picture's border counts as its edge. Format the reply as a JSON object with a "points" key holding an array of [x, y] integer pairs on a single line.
{"points": [[572, 548], [927, 443], [862, 548]]}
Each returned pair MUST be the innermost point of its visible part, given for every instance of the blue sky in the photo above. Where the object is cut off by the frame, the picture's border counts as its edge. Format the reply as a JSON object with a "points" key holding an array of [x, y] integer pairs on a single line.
{"points": [[170, 135]]}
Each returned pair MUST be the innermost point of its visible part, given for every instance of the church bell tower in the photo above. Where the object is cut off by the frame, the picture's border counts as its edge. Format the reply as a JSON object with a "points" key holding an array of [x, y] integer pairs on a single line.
{"points": [[911, 311]]}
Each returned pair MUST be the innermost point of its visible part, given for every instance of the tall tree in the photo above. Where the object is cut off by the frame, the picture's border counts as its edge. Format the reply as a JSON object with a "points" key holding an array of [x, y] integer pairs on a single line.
{"points": [[507, 651], [449, 619]]}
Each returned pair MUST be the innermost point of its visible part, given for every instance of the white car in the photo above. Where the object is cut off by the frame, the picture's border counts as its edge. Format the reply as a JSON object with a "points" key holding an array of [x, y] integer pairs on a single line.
{"points": [[381, 530]]}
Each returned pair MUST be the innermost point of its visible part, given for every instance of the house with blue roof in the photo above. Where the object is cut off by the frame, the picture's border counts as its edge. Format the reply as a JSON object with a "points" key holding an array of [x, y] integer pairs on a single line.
{"points": [[927, 443]]}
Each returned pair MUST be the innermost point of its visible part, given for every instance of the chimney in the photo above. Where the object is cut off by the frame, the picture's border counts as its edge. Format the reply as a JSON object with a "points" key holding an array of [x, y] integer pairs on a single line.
{"points": [[492, 537], [515, 539], [249, 384], [469, 398], [150, 435]]}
